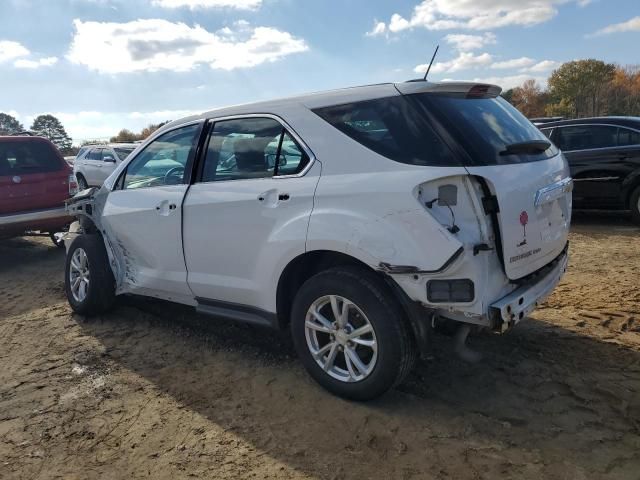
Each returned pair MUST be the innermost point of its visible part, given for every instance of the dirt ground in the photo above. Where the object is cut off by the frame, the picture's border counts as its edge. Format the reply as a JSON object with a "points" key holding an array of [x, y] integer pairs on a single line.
{"points": [[155, 391]]}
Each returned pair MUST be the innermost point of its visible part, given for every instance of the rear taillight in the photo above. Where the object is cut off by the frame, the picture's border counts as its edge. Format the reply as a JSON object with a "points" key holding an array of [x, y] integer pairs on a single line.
{"points": [[73, 185]]}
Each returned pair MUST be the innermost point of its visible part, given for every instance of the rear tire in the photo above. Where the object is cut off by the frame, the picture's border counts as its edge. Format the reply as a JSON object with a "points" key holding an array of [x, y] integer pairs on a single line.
{"points": [[89, 283], [634, 204], [386, 354]]}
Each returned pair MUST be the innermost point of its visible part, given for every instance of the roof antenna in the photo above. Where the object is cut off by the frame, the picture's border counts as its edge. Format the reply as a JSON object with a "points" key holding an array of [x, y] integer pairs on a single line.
{"points": [[431, 62]]}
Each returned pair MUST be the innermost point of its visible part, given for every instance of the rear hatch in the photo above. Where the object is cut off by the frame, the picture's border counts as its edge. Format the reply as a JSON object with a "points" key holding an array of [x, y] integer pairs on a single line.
{"points": [[33, 175], [525, 174]]}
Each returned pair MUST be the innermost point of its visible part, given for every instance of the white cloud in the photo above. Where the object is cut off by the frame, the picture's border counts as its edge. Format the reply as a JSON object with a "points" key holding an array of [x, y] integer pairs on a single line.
{"points": [[628, 26], [543, 66], [155, 44], [466, 43], [193, 4], [522, 62], [464, 61], [10, 50], [33, 64], [477, 14], [379, 28]]}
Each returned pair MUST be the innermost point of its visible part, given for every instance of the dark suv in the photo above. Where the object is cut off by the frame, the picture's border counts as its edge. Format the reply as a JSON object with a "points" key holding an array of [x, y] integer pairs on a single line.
{"points": [[604, 158]]}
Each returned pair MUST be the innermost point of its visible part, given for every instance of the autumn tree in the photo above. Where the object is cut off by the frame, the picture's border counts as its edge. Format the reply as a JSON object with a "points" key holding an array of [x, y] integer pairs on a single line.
{"points": [[529, 99], [147, 131], [9, 125], [577, 88], [623, 95], [125, 136], [50, 127]]}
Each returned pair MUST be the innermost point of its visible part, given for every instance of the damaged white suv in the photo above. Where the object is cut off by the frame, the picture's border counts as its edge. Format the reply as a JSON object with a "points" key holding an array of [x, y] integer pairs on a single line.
{"points": [[356, 217]]}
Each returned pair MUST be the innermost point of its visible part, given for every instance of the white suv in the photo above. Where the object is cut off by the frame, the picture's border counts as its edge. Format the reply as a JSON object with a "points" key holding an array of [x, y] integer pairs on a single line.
{"points": [[355, 217], [95, 163]]}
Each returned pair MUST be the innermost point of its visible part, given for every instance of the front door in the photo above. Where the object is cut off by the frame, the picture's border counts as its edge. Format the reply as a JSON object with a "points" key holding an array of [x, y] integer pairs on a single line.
{"points": [[143, 217], [248, 213]]}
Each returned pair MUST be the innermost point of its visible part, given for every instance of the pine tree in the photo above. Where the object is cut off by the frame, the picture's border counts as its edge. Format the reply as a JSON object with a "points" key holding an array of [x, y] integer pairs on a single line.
{"points": [[50, 127], [9, 125]]}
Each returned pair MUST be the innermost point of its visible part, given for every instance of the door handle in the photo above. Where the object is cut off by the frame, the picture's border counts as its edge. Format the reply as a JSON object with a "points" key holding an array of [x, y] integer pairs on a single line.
{"points": [[164, 208], [283, 197]]}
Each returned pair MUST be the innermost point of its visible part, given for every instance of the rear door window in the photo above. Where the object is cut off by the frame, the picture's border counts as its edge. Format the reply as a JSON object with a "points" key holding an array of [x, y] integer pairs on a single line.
{"points": [[628, 137], [21, 158], [391, 127], [95, 154], [247, 148], [587, 137]]}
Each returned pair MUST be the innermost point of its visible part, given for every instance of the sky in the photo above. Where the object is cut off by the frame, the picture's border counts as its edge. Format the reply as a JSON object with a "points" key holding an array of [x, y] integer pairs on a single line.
{"points": [[103, 65]]}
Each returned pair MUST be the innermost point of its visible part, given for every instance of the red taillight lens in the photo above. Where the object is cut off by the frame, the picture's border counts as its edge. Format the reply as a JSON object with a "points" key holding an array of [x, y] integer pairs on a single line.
{"points": [[73, 185]]}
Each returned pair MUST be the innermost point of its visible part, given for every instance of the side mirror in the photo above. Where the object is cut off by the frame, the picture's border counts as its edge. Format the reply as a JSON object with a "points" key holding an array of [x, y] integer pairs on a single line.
{"points": [[108, 158]]}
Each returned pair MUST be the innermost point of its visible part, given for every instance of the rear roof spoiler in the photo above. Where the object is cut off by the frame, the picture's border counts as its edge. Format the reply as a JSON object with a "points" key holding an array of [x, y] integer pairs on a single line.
{"points": [[469, 89]]}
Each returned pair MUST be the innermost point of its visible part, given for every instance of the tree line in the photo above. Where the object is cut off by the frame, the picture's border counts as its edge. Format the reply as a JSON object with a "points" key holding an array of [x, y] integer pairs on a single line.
{"points": [[50, 127], [581, 88]]}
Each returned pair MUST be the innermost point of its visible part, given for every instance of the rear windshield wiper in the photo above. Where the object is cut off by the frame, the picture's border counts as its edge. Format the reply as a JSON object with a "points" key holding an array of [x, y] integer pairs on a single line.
{"points": [[530, 147]]}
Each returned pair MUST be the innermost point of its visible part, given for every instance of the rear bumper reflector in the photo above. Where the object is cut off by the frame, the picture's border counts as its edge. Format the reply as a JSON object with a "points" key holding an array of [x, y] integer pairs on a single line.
{"points": [[450, 291]]}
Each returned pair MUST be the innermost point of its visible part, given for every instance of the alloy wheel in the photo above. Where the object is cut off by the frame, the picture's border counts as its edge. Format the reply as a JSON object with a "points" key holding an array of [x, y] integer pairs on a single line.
{"points": [[341, 338], [79, 275]]}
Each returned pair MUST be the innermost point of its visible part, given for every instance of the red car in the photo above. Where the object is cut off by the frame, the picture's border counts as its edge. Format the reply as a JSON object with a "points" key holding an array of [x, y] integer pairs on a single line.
{"points": [[35, 181]]}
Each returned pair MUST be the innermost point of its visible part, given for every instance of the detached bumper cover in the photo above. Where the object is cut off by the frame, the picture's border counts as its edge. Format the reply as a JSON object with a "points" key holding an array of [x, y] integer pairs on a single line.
{"points": [[33, 216], [509, 310]]}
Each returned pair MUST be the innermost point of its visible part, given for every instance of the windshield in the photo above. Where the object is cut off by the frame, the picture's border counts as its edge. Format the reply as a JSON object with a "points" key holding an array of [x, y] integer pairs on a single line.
{"points": [[487, 128], [123, 152]]}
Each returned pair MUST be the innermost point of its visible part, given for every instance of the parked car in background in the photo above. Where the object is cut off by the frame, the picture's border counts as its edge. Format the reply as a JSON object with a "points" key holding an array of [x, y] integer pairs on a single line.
{"points": [[542, 120], [356, 217], [604, 158], [35, 181], [93, 165]]}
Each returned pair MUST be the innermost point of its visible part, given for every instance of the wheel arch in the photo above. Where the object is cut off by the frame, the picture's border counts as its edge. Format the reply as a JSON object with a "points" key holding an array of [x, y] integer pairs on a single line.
{"points": [[308, 264]]}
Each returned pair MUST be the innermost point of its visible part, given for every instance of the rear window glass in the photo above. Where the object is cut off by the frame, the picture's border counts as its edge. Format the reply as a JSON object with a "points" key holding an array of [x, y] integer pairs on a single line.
{"points": [[21, 158], [485, 127], [393, 128]]}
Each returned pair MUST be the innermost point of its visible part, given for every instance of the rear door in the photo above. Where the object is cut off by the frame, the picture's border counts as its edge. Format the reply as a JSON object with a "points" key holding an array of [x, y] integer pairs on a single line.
{"points": [[596, 163], [33, 175], [143, 216], [518, 165], [248, 212]]}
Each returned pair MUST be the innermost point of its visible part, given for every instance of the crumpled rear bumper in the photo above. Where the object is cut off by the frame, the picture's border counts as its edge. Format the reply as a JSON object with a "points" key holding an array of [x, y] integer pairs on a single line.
{"points": [[509, 310]]}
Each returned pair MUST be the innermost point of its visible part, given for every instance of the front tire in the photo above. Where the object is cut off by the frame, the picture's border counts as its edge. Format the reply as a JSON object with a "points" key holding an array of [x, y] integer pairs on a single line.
{"points": [[89, 283], [634, 204], [351, 334]]}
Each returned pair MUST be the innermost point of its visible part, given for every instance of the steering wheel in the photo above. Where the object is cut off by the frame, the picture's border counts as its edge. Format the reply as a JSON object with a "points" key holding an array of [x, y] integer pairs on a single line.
{"points": [[172, 172]]}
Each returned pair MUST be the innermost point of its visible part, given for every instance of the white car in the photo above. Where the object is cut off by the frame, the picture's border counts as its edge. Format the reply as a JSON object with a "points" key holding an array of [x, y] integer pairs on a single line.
{"points": [[94, 163], [356, 217]]}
